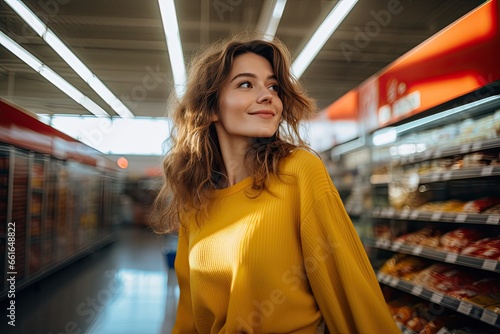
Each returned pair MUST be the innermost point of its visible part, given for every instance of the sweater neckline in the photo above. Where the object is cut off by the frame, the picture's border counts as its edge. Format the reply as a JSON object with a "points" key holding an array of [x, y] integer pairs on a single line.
{"points": [[234, 188]]}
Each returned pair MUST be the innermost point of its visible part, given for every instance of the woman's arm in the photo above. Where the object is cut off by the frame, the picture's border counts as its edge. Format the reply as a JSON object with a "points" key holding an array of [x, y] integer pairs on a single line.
{"points": [[339, 272], [184, 323]]}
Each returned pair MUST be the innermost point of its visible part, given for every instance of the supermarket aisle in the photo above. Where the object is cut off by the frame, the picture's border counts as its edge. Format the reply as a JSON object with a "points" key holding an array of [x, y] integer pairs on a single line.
{"points": [[123, 288]]}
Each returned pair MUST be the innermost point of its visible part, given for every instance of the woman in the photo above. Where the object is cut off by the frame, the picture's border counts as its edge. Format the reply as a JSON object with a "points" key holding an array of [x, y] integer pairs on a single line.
{"points": [[265, 245]]}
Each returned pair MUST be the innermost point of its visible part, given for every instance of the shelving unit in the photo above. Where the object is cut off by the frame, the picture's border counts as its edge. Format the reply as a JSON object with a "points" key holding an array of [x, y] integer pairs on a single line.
{"points": [[430, 122], [454, 304], [61, 196], [440, 184]]}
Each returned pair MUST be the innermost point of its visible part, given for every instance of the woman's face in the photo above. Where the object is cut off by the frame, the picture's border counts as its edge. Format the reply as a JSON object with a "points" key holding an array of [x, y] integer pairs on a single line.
{"points": [[249, 105]]}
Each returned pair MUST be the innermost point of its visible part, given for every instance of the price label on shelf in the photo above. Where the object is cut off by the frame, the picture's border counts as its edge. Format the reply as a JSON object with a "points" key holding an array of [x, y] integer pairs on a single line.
{"points": [[477, 146], [414, 214], [489, 317], [417, 250], [451, 257], [436, 216], [417, 290], [394, 281], [404, 214], [493, 219], [390, 212], [447, 175], [464, 308], [464, 148], [460, 218], [489, 265], [436, 298], [384, 212], [396, 246], [487, 171]]}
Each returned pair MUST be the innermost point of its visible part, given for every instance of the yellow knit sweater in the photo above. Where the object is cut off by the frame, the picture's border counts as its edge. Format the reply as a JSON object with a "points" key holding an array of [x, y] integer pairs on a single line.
{"points": [[279, 262]]}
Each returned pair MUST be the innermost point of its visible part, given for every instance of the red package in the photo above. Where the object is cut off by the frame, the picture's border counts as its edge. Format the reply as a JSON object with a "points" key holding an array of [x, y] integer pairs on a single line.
{"points": [[481, 204], [488, 248], [486, 285], [457, 240]]}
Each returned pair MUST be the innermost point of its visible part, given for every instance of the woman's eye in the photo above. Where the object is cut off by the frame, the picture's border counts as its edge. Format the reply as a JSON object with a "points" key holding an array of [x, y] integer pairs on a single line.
{"points": [[274, 87], [245, 84]]}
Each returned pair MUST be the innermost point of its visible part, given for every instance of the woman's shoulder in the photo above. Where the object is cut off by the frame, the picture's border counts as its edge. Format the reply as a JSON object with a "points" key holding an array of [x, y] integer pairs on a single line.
{"points": [[308, 171], [302, 160]]}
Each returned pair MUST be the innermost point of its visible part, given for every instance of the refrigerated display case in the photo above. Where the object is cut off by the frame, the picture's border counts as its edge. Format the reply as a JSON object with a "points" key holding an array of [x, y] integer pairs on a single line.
{"points": [[58, 196]]}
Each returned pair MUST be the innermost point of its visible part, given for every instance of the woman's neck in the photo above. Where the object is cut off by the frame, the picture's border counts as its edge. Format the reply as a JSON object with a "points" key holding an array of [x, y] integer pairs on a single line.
{"points": [[233, 154]]}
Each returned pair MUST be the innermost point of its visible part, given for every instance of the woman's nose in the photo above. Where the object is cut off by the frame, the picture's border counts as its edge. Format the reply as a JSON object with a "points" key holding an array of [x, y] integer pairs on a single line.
{"points": [[265, 96]]}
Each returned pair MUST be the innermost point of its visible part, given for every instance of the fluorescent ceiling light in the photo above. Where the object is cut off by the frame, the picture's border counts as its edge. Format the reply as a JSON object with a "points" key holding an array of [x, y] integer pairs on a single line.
{"points": [[273, 20], [174, 45], [66, 54], [27, 15], [321, 35], [69, 57], [51, 76], [16, 49]]}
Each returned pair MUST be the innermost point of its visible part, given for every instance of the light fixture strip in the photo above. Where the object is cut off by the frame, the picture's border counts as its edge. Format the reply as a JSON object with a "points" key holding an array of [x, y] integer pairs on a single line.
{"points": [[174, 45], [274, 20], [51, 76], [321, 35], [487, 102], [69, 57]]}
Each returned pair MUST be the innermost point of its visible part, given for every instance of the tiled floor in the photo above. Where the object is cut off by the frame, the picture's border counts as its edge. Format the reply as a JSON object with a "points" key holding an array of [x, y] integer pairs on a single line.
{"points": [[124, 288]]}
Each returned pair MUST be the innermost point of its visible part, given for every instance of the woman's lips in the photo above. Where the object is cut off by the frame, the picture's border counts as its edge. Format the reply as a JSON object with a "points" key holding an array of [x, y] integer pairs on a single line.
{"points": [[263, 113]]}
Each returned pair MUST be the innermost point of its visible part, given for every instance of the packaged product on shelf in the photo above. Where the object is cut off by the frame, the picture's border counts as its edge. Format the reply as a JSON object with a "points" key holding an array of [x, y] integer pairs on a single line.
{"points": [[494, 308], [404, 266], [488, 248], [443, 206], [427, 236], [493, 210], [483, 300], [457, 240], [456, 282], [480, 159], [434, 326], [480, 205], [382, 232]]}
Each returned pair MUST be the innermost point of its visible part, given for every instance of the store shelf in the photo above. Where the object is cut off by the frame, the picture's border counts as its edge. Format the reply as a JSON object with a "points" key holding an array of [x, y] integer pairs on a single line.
{"points": [[440, 151], [354, 209], [434, 254], [454, 304], [405, 330], [443, 217], [457, 174]]}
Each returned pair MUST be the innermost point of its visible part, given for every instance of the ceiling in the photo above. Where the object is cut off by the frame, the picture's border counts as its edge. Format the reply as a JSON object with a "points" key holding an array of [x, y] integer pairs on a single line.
{"points": [[123, 43]]}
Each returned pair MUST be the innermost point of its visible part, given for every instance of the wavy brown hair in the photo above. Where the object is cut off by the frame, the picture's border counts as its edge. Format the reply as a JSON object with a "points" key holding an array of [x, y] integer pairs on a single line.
{"points": [[193, 166]]}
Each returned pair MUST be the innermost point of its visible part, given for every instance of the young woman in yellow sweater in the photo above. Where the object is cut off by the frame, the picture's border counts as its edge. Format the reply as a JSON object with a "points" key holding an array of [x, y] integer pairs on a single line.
{"points": [[265, 245]]}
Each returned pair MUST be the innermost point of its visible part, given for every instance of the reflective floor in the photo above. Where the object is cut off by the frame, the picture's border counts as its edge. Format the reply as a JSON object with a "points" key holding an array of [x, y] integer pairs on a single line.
{"points": [[124, 288]]}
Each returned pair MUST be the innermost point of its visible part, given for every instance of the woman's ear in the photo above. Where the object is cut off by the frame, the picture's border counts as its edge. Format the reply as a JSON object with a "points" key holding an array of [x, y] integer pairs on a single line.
{"points": [[214, 118]]}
